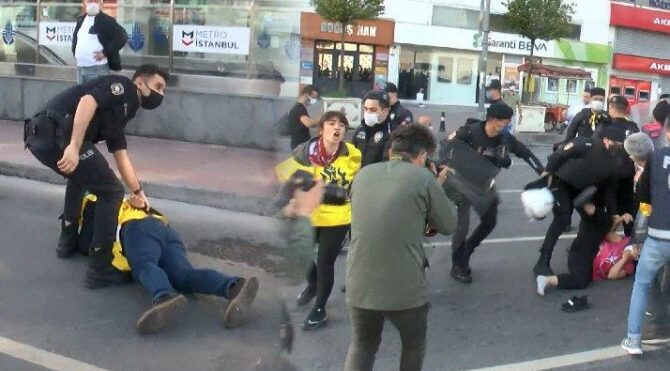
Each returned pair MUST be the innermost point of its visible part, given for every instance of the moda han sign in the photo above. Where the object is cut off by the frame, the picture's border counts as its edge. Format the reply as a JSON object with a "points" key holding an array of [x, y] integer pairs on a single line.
{"points": [[361, 30]]}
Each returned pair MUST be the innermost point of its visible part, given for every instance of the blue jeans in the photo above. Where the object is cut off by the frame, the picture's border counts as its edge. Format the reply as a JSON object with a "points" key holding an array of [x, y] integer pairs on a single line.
{"points": [[85, 74], [655, 254], [157, 259]]}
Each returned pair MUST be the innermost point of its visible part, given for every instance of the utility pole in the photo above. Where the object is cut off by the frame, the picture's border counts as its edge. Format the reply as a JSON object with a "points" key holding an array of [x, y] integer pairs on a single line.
{"points": [[484, 25]]}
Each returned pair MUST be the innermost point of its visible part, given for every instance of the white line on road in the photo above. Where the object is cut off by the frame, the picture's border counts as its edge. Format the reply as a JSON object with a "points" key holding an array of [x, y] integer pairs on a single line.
{"points": [[43, 358], [504, 240], [565, 360], [510, 191]]}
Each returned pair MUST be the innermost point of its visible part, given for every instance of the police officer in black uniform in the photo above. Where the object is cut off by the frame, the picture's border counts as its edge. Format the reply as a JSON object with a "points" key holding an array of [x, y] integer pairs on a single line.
{"points": [[372, 137], [487, 138], [62, 136], [398, 114], [626, 202], [586, 121], [576, 166]]}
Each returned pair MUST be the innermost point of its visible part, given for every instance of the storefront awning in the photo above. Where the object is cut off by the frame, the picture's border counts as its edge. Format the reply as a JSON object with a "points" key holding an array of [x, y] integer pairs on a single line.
{"points": [[556, 71]]}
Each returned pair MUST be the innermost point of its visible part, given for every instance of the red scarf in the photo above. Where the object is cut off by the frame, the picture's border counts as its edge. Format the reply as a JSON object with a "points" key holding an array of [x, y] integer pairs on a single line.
{"points": [[320, 157]]}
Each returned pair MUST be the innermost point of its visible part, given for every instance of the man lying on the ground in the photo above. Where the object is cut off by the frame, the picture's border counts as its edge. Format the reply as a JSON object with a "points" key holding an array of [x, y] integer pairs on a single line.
{"points": [[154, 254]]}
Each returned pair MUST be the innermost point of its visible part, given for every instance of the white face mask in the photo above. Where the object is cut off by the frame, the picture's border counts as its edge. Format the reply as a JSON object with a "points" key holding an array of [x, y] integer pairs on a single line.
{"points": [[597, 105], [92, 9], [371, 119], [312, 101]]}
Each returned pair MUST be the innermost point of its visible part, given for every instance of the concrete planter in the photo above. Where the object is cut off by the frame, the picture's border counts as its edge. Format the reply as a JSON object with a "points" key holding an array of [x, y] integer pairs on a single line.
{"points": [[351, 107], [533, 119]]}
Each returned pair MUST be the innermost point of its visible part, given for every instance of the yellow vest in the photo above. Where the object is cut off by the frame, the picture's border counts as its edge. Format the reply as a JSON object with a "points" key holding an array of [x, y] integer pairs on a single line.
{"points": [[126, 214], [341, 172]]}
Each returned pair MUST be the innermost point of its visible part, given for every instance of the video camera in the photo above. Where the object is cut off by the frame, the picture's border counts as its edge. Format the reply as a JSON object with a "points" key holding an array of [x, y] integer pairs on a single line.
{"points": [[301, 179]]}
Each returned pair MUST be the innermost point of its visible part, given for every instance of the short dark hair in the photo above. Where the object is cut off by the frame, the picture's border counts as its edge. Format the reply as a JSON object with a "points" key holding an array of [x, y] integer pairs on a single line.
{"points": [[333, 115], [308, 89], [379, 95], [661, 111], [148, 70], [412, 140], [597, 91], [619, 103]]}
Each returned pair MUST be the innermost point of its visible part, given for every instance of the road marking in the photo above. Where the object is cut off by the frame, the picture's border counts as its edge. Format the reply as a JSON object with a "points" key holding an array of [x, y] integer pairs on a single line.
{"points": [[43, 358], [510, 191], [504, 240], [565, 360]]}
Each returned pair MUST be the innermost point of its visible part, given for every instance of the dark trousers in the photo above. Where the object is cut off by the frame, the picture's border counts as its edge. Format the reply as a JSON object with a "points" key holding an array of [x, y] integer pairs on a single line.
{"points": [[157, 259], [563, 196], [322, 273], [626, 202], [592, 230], [93, 174], [659, 298], [461, 247], [367, 327]]}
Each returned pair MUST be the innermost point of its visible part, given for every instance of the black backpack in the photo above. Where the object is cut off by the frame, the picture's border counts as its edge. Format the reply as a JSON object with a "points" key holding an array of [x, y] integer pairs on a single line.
{"points": [[284, 125]]}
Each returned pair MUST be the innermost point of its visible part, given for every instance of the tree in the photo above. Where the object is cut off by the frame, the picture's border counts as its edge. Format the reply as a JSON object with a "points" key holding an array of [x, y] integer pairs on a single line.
{"points": [[539, 19], [346, 13]]}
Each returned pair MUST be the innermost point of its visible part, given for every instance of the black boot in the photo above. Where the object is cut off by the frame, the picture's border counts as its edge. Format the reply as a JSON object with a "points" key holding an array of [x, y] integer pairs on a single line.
{"points": [[100, 272], [68, 240], [542, 267]]}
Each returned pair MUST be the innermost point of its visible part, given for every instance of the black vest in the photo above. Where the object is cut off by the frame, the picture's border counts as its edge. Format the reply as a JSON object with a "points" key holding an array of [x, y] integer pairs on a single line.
{"points": [[659, 178], [590, 169]]}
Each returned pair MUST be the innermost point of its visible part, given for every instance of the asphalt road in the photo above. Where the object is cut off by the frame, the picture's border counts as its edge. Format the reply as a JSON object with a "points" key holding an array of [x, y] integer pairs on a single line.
{"points": [[496, 321]]}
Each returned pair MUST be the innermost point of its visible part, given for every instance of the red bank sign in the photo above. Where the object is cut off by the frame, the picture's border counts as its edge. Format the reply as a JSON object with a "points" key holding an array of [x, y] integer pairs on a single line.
{"points": [[640, 18], [641, 64]]}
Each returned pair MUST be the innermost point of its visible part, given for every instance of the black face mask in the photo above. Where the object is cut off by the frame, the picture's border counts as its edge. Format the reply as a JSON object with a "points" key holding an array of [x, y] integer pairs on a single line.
{"points": [[153, 100]]}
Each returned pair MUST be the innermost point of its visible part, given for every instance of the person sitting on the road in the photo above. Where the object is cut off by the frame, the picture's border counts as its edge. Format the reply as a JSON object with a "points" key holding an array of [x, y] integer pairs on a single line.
{"points": [[488, 139], [329, 158], [155, 255]]}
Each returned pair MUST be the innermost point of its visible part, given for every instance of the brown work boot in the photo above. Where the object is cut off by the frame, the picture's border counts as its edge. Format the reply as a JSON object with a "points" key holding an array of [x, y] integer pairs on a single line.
{"points": [[240, 297], [160, 313]]}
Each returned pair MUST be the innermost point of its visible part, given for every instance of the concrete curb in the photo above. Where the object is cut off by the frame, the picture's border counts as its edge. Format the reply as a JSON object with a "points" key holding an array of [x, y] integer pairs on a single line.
{"points": [[219, 200]]}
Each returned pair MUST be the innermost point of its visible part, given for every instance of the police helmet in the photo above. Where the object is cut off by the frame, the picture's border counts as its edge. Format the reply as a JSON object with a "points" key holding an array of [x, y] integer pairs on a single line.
{"points": [[537, 203]]}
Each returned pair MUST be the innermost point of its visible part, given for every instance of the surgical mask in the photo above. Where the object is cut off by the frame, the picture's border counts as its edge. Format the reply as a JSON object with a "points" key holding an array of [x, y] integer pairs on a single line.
{"points": [[597, 105], [92, 9], [153, 100], [312, 101], [488, 95], [371, 119]]}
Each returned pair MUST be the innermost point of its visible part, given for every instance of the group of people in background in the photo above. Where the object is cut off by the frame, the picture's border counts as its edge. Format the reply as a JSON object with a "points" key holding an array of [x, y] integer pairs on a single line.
{"points": [[609, 169]]}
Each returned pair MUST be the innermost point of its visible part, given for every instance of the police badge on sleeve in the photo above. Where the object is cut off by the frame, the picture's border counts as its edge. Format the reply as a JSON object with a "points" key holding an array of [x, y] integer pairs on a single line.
{"points": [[117, 88], [378, 137]]}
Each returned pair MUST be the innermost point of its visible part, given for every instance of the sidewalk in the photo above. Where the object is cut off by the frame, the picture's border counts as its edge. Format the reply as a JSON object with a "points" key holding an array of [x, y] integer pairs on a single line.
{"points": [[223, 177]]}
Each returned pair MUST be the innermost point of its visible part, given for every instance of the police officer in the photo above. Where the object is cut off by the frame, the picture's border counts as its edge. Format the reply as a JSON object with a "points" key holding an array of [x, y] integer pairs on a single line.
{"points": [[488, 139], [398, 114], [582, 163], [372, 138], [626, 203], [585, 123], [62, 136]]}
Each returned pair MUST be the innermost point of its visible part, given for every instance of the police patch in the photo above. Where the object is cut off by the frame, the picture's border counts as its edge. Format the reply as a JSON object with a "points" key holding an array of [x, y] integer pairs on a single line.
{"points": [[568, 146], [116, 88], [378, 136], [361, 135], [393, 116]]}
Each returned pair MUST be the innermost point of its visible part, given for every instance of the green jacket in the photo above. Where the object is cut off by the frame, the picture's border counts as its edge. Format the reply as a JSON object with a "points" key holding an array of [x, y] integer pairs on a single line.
{"points": [[391, 203]]}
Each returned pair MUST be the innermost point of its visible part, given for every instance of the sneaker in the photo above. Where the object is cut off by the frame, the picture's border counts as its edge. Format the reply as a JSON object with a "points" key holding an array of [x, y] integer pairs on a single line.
{"points": [[241, 295], [68, 241], [460, 274], [97, 278], [317, 318], [160, 313], [654, 334], [632, 346], [306, 295]]}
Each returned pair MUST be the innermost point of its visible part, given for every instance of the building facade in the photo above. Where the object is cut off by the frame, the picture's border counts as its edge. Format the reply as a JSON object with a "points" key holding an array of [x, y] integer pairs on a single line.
{"points": [[641, 63], [438, 46]]}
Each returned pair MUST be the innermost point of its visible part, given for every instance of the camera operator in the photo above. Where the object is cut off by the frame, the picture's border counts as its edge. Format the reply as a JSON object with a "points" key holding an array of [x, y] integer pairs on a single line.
{"points": [[391, 203], [326, 157]]}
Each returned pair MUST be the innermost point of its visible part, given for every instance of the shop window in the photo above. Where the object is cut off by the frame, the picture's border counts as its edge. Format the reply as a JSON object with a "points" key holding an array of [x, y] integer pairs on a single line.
{"points": [[644, 96], [365, 67], [629, 92], [455, 17], [325, 66], [552, 84], [588, 85], [414, 73], [445, 69], [366, 48], [347, 47], [571, 86], [464, 73], [326, 45], [615, 90]]}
